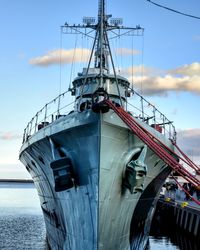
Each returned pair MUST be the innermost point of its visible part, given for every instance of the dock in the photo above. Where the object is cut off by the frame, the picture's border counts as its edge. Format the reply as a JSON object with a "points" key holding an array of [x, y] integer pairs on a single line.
{"points": [[184, 215]]}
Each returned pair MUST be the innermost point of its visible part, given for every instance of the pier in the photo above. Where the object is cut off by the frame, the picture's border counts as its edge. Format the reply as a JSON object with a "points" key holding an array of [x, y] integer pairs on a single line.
{"points": [[183, 215]]}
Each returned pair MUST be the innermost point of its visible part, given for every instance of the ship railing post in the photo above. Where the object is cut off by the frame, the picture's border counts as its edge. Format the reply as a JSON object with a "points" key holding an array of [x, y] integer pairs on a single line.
{"points": [[36, 121], [142, 107], [164, 125], [27, 131], [29, 128], [154, 115], [31, 124], [126, 100], [45, 114], [170, 134], [174, 134], [24, 136], [58, 108]]}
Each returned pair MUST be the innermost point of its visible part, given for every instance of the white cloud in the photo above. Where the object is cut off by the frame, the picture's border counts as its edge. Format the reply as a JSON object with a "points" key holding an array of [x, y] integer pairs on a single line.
{"points": [[162, 85], [158, 82], [127, 52], [188, 69], [140, 70], [61, 56], [154, 81], [67, 56]]}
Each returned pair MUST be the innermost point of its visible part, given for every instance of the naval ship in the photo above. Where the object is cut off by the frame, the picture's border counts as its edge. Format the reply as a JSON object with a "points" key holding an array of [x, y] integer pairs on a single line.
{"points": [[97, 178]]}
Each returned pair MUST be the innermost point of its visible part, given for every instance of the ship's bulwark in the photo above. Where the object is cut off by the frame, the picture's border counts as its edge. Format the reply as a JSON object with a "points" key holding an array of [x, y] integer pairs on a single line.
{"points": [[98, 212]]}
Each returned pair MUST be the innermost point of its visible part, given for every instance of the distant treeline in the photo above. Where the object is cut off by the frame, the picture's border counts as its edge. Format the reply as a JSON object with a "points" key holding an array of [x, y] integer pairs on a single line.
{"points": [[17, 180]]}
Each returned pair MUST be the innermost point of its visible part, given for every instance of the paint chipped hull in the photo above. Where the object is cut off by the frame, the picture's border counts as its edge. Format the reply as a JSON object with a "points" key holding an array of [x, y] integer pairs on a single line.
{"points": [[97, 212]]}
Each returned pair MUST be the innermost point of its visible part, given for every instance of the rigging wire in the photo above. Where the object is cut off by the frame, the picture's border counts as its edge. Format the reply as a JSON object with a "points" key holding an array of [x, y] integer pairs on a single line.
{"points": [[82, 46], [132, 47], [118, 54], [72, 67], [173, 10], [88, 48], [60, 73], [113, 66], [114, 50], [142, 67], [60, 62], [121, 58]]}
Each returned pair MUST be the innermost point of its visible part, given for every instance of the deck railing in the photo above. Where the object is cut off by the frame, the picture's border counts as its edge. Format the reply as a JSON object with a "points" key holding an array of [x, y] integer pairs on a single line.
{"points": [[147, 112], [58, 107], [138, 106]]}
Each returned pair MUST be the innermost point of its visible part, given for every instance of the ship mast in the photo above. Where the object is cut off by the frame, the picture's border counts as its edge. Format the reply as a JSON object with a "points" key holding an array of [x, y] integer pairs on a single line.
{"points": [[101, 53], [101, 47]]}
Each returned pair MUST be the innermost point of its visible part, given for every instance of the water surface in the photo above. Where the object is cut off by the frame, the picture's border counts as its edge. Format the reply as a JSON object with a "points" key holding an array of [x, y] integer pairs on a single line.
{"points": [[21, 220], [22, 226]]}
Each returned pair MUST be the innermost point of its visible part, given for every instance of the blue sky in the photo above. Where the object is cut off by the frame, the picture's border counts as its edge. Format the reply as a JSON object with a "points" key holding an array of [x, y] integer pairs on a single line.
{"points": [[31, 29]]}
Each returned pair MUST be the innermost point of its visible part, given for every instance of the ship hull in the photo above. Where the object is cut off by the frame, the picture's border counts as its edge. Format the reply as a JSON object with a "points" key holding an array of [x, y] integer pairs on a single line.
{"points": [[98, 211]]}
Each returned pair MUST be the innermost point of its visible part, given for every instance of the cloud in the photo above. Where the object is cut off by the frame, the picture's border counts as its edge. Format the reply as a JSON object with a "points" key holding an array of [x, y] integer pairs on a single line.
{"points": [[76, 55], [61, 56], [189, 141], [140, 70], [162, 85], [188, 70], [9, 136], [153, 81], [21, 55], [158, 82], [127, 52], [197, 38]]}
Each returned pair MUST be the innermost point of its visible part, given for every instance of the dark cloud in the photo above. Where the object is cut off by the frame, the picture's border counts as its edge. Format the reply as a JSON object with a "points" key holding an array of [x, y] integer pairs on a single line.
{"points": [[189, 141]]}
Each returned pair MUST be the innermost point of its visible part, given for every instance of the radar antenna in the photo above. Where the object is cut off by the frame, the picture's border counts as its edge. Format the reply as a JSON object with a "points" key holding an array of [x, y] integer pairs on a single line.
{"points": [[101, 47]]}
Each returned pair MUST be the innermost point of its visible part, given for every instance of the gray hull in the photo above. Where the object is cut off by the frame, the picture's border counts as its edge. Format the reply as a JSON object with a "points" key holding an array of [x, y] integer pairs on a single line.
{"points": [[97, 212]]}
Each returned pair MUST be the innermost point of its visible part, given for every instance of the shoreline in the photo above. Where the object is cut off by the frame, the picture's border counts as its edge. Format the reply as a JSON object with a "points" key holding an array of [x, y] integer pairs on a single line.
{"points": [[16, 181]]}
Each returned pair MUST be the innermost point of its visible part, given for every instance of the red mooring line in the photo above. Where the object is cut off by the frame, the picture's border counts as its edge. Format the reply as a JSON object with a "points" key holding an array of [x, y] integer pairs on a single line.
{"points": [[157, 146], [189, 161]]}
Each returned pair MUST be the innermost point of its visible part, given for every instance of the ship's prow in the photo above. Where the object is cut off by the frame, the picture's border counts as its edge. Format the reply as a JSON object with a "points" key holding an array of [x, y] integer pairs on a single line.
{"points": [[97, 178], [87, 197]]}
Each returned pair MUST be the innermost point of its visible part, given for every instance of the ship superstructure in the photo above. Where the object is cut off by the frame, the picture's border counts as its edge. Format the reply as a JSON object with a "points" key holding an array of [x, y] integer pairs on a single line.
{"points": [[97, 180]]}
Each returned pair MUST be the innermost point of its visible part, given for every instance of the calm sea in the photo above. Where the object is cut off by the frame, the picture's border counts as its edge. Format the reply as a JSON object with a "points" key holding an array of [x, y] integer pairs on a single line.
{"points": [[22, 225], [21, 221]]}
